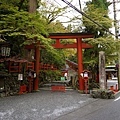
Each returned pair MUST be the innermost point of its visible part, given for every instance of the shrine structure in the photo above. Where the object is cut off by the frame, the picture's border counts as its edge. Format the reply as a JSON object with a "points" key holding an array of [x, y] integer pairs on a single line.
{"points": [[57, 37]]}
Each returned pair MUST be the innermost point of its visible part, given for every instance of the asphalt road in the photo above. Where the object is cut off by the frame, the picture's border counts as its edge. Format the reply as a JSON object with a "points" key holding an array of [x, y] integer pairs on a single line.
{"points": [[102, 109], [42, 105], [110, 111], [48, 105]]}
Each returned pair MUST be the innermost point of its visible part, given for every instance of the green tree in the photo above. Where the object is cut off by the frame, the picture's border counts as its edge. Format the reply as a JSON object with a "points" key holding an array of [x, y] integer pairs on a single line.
{"points": [[107, 44], [19, 27], [103, 41], [49, 11], [56, 27], [104, 4], [99, 15], [97, 10]]}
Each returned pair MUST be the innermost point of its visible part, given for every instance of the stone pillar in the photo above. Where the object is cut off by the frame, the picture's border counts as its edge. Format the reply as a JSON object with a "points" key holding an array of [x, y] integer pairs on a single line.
{"points": [[102, 73]]}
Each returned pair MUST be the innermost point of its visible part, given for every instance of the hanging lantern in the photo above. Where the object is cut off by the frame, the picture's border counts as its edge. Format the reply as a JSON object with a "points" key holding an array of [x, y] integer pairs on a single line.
{"points": [[20, 76], [5, 51]]}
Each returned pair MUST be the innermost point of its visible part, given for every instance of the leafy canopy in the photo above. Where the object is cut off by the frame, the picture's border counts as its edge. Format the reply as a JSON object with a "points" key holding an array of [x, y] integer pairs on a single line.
{"points": [[100, 16], [98, 11], [21, 27]]}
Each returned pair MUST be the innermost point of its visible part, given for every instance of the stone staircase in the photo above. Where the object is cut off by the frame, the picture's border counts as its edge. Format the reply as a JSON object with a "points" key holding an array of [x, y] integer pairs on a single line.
{"points": [[48, 86]]}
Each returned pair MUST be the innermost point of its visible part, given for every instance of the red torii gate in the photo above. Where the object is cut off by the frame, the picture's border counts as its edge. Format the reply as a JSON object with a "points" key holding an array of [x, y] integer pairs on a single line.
{"points": [[79, 45]]}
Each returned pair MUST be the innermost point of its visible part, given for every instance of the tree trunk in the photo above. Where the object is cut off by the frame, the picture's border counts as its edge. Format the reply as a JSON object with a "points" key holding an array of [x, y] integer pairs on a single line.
{"points": [[32, 6]]}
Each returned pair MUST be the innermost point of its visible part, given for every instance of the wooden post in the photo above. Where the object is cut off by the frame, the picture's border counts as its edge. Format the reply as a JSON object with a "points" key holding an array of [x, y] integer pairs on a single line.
{"points": [[102, 73]]}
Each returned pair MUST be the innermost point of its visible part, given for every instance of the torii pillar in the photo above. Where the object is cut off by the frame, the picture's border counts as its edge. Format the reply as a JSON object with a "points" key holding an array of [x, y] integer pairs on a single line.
{"points": [[37, 66], [80, 63]]}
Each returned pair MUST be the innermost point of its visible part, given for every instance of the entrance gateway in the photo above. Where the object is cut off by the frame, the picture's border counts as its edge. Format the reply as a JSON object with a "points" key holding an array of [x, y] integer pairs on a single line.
{"points": [[79, 45]]}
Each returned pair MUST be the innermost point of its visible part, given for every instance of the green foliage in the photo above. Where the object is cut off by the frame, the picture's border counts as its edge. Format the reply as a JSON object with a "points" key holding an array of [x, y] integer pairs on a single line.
{"points": [[22, 23], [97, 10], [18, 4], [100, 4], [56, 59], [49, 75], [56, 27], [100, 16], [49, 11], [21, 27], [106, 44]]}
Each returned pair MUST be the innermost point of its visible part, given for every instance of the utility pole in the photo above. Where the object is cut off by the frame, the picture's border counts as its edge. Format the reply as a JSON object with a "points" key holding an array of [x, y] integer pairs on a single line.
{"points": [[80, 5], [115, 19], [116, 38]]}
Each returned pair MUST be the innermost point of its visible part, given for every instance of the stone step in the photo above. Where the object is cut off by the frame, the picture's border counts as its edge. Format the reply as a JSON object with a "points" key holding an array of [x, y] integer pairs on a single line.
{"points": [[49, 88]]}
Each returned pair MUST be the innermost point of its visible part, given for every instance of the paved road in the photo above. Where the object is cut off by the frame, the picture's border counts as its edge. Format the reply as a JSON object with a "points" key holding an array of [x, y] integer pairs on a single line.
{"points": [[69, 105], [42, 105], [102, 109]]}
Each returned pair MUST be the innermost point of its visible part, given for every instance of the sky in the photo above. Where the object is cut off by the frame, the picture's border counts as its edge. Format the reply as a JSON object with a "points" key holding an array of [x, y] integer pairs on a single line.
{"points": [[74, 13]]}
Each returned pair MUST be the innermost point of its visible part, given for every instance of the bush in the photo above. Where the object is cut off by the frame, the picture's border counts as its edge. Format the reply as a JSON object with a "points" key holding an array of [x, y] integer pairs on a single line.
{"points": [[104, 94]]}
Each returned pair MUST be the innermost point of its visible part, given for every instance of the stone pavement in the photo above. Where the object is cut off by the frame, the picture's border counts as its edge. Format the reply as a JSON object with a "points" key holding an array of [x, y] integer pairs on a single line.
{"points": [[43, 105]]}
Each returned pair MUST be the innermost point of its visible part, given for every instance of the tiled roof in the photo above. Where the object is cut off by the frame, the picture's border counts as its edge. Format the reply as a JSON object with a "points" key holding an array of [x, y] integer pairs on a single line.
{"points": [[13, 59]]}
